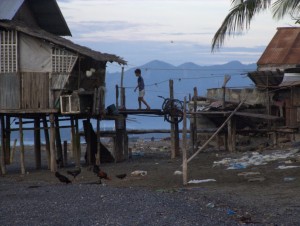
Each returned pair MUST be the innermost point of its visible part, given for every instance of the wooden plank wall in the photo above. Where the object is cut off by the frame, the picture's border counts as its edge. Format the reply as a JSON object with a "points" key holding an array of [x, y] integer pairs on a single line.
{"points": [[35, 90], [9, 91]]}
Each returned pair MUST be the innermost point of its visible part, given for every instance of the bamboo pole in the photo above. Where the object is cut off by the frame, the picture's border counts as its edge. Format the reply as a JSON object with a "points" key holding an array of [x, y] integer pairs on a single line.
{"points": [[219, 129], [184, 146], [22, 158]]}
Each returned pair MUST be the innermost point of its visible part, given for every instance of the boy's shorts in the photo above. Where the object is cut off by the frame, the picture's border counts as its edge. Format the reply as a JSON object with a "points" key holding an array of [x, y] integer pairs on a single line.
{"points": [[142, 93]]}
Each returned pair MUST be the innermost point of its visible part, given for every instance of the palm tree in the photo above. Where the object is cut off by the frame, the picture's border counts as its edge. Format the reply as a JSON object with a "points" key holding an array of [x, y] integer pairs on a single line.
{"points": [[243, 11]]}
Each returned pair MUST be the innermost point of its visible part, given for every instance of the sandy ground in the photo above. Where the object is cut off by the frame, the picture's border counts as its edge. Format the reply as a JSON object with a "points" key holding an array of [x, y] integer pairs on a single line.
{"points": [[267, 195]]}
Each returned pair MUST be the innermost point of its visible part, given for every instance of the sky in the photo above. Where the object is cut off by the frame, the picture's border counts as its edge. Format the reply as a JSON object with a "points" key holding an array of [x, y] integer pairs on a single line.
{"points": [[174, 31]]}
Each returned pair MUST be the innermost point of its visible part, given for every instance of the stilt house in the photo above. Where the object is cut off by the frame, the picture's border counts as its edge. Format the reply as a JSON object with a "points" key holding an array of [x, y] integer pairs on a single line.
{"points": [[42, 73]]}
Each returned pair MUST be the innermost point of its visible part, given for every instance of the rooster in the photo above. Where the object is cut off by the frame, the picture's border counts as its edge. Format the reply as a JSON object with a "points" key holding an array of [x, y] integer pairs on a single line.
{"points": [[62, 178], [75, 172], [101, 174]]}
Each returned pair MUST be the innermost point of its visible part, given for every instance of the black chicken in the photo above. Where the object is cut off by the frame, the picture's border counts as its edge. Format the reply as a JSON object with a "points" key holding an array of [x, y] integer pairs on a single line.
{"points": [[121, 176], [101, 174], [62, 178], [74, 173]]}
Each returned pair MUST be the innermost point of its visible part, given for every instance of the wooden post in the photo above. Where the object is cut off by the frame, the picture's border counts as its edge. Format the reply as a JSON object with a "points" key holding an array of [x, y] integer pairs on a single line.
{"points": [[184, 146], [98, 156], [171, 89], [117, 97], [13, 151], [229, 136], [3, 140], [7, 140], [3, 168], [37, 143], [88, 142], [195, 138], [59, 154], [119, 140], [46, 134], [122, 90], [73, 138], [78, 147], [53, 165], [22, 158], [65, 153]]}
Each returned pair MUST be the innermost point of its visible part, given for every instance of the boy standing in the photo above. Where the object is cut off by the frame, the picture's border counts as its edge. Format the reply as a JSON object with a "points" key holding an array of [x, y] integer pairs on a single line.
{"points": [[141, 87]]}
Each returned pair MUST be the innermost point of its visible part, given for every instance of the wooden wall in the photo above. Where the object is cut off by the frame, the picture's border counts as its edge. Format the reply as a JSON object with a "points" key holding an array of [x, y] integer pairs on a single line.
{"points": [[9, 91], [35, 90]]}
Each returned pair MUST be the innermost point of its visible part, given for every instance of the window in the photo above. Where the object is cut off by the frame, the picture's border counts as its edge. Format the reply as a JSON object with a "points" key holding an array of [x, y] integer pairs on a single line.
{"points": [[8, 51], [62, 60]]}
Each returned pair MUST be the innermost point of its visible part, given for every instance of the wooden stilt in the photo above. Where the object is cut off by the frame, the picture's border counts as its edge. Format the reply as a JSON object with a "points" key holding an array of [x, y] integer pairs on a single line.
{"points": [[65, 153], [7, 140], [3, 168], [98, 156], [171, 90], [53, 165], [46, 134], [77, 140], [37, 143], [119, 140], [86, 125], [59, 154], [184, 146], [22, 157], [13, 151], [195, 138]]}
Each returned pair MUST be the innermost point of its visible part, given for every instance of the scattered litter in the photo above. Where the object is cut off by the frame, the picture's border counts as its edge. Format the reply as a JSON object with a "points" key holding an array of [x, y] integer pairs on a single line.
{"points": [[287, 179], [139, 173], [201, 181], [231, 212], [256, 159], [248, 174], [257, 179], [287, 167], [237, 166], [210, 205], [177, 172]]}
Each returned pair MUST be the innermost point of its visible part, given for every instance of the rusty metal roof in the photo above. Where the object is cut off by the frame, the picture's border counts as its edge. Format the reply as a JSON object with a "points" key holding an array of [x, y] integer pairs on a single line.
{"points": [[283, 49], [62, 42], [46, 13]]}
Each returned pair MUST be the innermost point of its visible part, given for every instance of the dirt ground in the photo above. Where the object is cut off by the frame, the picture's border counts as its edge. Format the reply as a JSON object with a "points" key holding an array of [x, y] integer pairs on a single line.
{"points": [[267, 193]]}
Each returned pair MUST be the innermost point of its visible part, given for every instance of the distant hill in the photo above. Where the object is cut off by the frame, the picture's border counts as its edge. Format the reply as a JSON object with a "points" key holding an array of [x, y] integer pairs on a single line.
{"points": [[185, 76]]}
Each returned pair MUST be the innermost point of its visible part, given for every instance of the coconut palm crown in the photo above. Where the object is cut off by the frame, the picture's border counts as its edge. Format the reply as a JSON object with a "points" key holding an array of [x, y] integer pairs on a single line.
{"points": [[242, 13]]}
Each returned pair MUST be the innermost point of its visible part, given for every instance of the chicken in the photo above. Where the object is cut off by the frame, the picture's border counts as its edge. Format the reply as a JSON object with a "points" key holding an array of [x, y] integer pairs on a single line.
{"points": [[75, 172], [101, 174], [121, 176], [62, 178]]}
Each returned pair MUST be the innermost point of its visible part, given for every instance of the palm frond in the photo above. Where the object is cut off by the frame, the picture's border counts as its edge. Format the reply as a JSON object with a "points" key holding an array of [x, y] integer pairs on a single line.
{"points": [[238, 19], [281, 8]]}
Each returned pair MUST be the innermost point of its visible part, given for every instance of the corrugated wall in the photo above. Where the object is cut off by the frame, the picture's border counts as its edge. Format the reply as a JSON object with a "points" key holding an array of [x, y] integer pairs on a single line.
{"points": [[9, 91]]}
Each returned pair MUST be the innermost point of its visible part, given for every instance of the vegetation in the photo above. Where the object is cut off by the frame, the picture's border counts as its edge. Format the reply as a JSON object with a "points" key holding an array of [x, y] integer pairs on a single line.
{"points": [[242, 13]]}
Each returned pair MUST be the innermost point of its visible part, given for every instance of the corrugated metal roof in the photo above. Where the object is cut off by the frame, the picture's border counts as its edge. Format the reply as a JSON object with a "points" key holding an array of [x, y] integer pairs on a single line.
{"points": [[46, 13], [283, 49], [9, 8], [62, 42]]}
